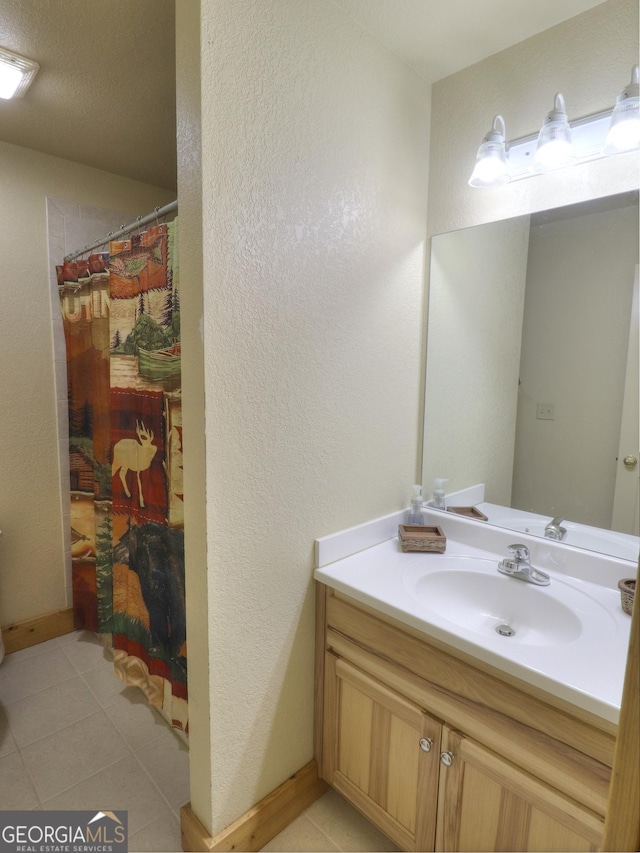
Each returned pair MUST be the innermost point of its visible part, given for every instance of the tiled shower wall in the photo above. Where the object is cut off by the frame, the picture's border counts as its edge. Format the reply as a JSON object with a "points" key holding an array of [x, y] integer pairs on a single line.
{"points": [[70, 226]]}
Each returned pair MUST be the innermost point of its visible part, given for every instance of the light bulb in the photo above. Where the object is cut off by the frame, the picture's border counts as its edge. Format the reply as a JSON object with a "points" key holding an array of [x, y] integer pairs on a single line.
{"points": [[554, 154], [491, 159], [489, 170], [554, 149], [624, 131]]}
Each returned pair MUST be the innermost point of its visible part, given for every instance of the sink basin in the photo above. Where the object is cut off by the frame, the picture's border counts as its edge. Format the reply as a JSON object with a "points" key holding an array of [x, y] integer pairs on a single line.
{"points": [[471, 594], [569, 639]]}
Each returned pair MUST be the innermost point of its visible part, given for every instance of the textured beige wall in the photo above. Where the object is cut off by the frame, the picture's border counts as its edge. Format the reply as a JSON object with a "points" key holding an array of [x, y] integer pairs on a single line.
{"points": [[589, 59], [32, 562], [315, 144], [193, 405]]}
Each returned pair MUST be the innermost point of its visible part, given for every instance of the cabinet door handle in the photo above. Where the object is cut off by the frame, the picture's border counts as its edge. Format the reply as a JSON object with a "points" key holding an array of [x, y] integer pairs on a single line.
{"points": [[425, 744], [446, 758]]}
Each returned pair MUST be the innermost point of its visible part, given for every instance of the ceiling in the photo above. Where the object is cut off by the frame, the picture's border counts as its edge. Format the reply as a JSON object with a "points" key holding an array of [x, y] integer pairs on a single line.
{"points": [[105, 92], [439, 37]]}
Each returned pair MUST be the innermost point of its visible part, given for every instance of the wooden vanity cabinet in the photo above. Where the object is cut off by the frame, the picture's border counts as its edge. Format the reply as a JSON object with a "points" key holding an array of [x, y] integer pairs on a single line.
{"points": [[440, 755], [382, 754], [486, 803]]}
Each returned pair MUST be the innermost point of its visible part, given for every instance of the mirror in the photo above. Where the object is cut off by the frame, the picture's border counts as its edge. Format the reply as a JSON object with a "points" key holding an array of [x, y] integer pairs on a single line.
{"points": [[528, 352]]}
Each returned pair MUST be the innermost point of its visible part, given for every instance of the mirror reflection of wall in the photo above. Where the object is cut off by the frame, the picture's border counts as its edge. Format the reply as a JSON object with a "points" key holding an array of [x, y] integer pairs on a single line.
{"points": [[476, 299], [571, 322], [575, 336]]}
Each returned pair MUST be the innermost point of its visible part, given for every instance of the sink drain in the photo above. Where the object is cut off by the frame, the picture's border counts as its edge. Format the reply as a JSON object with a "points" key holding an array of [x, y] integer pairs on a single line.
{"points": [[505, 630]]}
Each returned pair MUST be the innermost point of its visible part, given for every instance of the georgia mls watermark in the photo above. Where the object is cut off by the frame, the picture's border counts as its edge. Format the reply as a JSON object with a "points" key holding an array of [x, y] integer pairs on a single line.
{"points": [[63, 832]]}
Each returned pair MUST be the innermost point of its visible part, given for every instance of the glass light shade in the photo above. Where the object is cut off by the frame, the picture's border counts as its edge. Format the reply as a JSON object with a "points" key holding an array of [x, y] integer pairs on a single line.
{"points": [[624, 130], [554, 150], [491, 159], [10, 78], [16, 74]]}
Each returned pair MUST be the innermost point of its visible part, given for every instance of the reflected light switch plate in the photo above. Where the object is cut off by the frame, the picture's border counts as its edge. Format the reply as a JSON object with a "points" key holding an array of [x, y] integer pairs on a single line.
{"points": [[545, 412]]}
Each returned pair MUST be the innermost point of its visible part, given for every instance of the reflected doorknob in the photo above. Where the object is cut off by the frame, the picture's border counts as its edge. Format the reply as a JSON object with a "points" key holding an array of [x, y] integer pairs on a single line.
{"points": [[630, 462]]}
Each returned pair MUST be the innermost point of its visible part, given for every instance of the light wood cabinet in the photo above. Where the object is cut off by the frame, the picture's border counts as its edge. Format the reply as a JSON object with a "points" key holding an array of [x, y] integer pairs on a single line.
{"points": [[382, 755], [486, 803], [442, 756]]}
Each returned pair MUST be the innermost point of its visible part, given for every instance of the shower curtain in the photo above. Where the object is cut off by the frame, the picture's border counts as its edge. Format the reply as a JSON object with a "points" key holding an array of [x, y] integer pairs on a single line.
{"points": [[121, 317]]}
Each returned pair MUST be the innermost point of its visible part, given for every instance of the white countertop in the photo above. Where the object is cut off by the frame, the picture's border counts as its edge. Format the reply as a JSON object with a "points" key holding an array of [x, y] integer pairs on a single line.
{"points": [[585, 666]]}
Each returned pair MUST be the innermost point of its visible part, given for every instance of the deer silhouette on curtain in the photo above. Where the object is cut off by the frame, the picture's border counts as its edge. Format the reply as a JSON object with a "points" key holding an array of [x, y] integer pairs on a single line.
{"points": [[121, 317]]}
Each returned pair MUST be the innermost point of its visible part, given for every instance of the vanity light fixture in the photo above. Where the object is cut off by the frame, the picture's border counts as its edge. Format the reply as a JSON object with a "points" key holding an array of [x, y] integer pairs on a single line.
{"points": [[559, 143], [624, 131], [491, 159], [16, 74]]}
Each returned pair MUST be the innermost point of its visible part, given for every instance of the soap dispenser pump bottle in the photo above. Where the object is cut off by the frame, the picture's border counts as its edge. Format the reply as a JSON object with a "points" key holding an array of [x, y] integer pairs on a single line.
{"points": [[439, 501], [416, 516]]}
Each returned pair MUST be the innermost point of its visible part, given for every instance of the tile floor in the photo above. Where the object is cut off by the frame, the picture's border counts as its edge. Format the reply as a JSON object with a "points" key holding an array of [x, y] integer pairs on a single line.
{"points": [[72, 736], [330, 824]]}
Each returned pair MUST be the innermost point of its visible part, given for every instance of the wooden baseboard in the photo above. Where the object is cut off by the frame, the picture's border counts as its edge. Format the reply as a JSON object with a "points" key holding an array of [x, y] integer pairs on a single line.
{"points": [[21, 635], [256, 827]]}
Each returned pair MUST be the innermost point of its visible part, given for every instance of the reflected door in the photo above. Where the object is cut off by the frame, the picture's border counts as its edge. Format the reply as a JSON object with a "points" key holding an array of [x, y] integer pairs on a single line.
{"points": [[626, 501]]}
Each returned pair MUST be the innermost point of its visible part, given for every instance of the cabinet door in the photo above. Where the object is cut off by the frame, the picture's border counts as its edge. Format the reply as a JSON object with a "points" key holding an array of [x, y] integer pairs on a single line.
{"points": [[486, 803], [381, 752]]}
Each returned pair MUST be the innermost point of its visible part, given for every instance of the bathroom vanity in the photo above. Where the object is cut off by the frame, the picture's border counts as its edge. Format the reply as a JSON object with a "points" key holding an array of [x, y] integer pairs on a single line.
{"points": [[447, 734]]}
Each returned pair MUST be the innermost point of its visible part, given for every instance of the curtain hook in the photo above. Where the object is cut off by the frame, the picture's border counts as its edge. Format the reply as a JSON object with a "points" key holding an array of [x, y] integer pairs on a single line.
{"points": [[107, 241], [135, 230]]}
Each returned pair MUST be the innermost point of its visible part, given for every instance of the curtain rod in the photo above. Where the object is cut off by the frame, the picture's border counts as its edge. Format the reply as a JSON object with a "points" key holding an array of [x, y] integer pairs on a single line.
{"points": [[126, 229]]}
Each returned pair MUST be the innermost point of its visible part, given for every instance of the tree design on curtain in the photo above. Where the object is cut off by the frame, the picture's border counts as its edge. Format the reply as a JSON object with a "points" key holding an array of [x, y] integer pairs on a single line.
{"points": [[121, 315]]}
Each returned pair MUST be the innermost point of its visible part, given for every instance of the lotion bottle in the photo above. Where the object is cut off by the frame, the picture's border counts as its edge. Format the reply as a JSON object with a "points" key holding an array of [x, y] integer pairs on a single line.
{"points": [[416, 516], [439, 501]]}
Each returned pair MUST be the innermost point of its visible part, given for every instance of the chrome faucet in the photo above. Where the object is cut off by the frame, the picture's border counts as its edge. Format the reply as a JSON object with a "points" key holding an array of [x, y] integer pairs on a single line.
{"points": [[553, 530], [520, 567]]}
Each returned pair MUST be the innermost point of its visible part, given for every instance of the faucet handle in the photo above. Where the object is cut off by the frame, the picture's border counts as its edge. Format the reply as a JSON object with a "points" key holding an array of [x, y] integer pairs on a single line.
{"points": [[520, 552]]}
